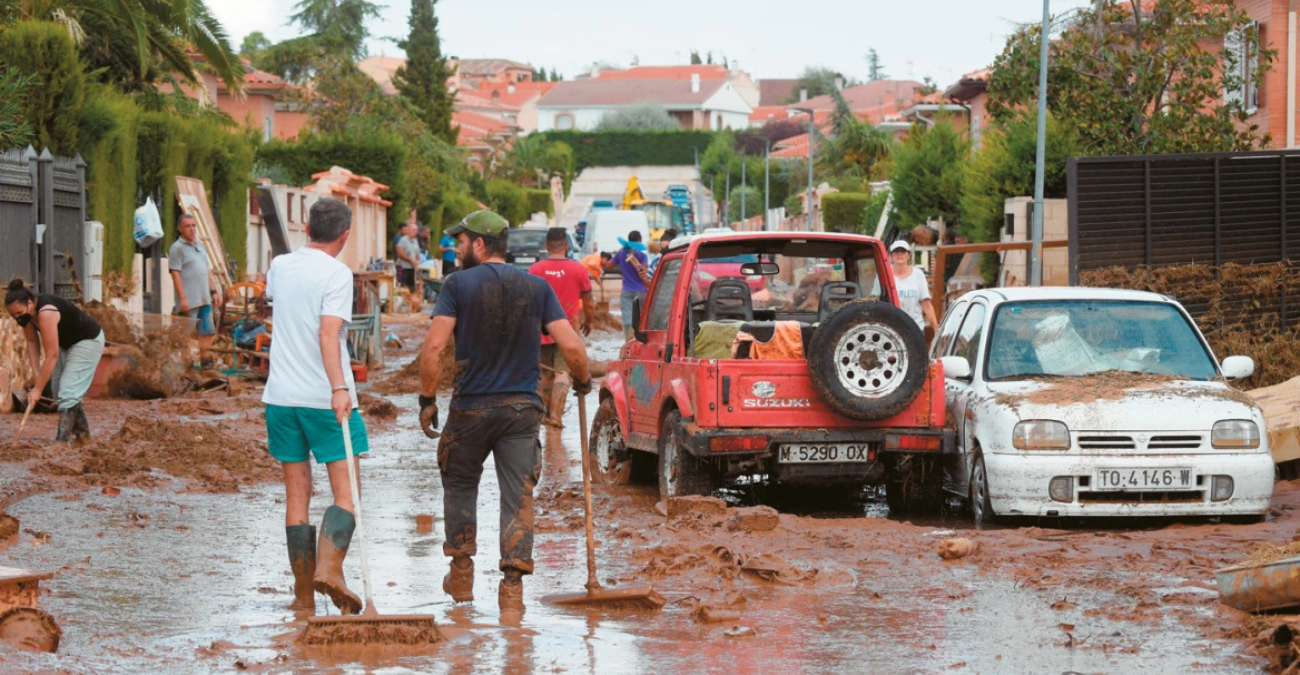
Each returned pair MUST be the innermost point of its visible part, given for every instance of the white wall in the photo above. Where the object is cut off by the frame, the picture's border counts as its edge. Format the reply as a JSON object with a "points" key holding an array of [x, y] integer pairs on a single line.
{"points": [[584, 118]]}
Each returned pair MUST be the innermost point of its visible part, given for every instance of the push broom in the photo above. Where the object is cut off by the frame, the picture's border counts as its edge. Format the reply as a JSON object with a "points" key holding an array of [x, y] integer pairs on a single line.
{"points": [[368, 627], [638, 597]]}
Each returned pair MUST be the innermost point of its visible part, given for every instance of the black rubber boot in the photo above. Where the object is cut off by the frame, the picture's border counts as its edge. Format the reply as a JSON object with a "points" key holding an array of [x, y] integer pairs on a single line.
{"points": [[67, 420], [302, 560], [81, 426], [335, 537]]}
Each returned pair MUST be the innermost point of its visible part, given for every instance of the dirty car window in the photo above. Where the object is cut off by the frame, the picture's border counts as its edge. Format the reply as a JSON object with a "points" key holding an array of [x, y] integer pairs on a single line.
{"points": [[1073, 338]]}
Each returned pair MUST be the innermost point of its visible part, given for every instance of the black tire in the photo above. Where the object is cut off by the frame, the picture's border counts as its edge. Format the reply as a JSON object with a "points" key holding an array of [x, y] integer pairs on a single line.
{"points": [[914, 485], [868, 360], [981, 507], [611, 461], [680, 472]]}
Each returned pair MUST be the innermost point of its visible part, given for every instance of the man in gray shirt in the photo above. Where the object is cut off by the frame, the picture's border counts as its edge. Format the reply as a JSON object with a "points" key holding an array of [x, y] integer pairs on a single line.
{"points": [[196, 286], [408, 256]]}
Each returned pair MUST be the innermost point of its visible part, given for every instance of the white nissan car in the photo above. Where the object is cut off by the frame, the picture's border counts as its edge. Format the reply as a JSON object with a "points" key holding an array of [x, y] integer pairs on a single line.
{"points": [[1096, 402]]}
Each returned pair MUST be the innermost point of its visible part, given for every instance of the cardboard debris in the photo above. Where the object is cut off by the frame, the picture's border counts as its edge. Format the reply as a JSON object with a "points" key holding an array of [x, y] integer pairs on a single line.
{"points": [[1281, 406]]}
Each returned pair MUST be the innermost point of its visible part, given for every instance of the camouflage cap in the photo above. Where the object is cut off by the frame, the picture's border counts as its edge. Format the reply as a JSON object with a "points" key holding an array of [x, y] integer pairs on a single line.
{"points": [[483, 223]]}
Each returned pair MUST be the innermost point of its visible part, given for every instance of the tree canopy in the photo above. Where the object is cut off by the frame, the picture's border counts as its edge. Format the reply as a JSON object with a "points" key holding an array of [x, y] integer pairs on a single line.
{"points": [[643, 116], [928, 169], [1132, 80], [423, 80]]}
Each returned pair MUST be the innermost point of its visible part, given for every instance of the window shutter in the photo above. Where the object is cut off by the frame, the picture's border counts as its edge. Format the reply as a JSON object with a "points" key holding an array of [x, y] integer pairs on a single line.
{"points": [[1251, 64], [1232, 66]]}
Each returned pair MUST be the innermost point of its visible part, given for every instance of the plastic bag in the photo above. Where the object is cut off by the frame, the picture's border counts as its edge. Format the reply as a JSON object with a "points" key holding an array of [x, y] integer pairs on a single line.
{"points": [[148, 224]]}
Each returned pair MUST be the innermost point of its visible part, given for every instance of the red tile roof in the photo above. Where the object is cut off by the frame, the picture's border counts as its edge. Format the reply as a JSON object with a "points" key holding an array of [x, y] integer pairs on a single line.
{"points": [[776, 92], [706, 72], [523, 93], [603, 92], [769, 112], [476, 129], [869, 95]]}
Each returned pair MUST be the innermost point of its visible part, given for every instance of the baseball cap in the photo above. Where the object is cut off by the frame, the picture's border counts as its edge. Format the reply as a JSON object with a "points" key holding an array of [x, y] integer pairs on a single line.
{"points": [[484, 223], [900, 245]]}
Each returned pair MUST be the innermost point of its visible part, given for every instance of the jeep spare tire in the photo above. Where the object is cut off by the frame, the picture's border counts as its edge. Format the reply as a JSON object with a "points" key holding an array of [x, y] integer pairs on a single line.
{"points": [[868, 360]]}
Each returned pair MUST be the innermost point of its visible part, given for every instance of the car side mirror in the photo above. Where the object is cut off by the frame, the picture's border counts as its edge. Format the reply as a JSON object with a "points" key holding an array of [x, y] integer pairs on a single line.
{"points": [[955, 368], [637, 333], [1238, 367]]}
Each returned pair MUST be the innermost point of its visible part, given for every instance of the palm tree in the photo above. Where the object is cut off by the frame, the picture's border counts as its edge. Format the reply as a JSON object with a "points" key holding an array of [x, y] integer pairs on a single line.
{"points": [[854, 146], [145, 33]]}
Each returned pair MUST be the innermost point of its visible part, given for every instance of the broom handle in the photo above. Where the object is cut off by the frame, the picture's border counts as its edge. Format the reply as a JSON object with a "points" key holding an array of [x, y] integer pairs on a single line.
{"points": [[592, 583], [31, 405], [356, 506]]}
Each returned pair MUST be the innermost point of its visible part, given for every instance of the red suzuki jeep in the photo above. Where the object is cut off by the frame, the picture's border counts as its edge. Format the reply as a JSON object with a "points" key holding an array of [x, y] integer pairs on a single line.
{"points": [[816, 377]]}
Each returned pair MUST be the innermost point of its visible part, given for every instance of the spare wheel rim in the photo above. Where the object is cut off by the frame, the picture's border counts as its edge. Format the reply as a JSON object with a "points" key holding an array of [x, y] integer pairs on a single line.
{"points": [[871, 360]]}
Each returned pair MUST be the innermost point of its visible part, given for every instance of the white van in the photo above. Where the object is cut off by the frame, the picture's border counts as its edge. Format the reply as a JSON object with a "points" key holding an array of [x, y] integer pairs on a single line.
{"points": [[605, 227]]}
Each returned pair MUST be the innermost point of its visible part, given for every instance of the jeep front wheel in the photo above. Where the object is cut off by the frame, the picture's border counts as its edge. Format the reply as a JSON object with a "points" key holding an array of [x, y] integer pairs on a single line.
{"points": [[868, 360]]}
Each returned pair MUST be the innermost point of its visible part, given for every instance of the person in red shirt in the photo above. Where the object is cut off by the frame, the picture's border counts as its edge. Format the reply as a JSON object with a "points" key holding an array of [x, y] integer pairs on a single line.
{"points": [[572, 284]]}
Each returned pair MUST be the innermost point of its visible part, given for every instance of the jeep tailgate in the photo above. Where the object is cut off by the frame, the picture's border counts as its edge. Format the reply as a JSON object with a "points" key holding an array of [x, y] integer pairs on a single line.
{"points": [[780, 394]]}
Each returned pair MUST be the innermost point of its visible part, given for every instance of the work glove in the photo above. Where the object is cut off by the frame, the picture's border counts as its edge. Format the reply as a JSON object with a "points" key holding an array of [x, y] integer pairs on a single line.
{"points": [[581, 389], [429, 416]]}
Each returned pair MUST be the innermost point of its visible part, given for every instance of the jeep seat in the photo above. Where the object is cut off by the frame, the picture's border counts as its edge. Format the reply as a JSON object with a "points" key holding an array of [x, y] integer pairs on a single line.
{"points": [[835, 295], [729, 299], [764, 333]]}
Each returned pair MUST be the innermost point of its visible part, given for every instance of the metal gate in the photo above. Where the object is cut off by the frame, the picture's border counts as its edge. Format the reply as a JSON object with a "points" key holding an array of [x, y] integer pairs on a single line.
{"points": [[43, 221]]}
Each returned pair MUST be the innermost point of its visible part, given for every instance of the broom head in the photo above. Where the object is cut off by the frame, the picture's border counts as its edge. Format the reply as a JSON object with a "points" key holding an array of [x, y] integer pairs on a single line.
{"points": [[637, 597], [395, 629]]}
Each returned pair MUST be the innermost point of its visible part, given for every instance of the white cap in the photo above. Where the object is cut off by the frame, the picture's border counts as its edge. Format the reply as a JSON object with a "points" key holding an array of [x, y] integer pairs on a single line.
{"points": [[900, 245]]}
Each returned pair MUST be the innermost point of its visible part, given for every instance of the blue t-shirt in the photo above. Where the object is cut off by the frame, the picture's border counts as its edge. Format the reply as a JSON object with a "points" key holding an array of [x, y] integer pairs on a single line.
{"points": [[500, 312], [631, 279], [448, 256]]}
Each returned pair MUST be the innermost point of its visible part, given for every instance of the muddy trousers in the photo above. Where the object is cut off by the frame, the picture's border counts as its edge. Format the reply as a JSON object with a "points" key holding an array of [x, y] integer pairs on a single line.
{"points": [[509, 434]]}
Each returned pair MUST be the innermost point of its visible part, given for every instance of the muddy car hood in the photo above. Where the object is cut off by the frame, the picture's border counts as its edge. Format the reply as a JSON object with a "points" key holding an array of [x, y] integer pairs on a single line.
{"points": [[1170, 405]]}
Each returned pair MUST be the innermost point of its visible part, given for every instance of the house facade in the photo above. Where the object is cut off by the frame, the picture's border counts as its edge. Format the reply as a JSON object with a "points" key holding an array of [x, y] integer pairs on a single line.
{"points": [[695, 103]]}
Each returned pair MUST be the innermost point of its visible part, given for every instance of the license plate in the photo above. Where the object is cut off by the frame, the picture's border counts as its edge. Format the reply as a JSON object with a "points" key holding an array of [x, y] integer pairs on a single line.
{"points": [[525, 258], [1144, 479], [823, 453]]}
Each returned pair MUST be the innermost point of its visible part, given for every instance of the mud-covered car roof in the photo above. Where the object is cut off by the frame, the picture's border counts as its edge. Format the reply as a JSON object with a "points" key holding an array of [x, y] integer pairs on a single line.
{"points": [[1027, 293]]}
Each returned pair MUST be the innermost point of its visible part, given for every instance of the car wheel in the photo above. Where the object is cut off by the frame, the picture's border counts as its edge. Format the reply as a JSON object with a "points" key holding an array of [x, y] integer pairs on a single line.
{"points": [[913, 485], [868, 360], [611, 462], [680, 472], [980, 505]]}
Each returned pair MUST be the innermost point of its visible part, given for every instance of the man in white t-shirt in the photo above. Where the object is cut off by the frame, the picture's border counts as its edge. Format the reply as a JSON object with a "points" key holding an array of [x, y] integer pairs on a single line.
{"points": [[309, 392], [913, 288]]}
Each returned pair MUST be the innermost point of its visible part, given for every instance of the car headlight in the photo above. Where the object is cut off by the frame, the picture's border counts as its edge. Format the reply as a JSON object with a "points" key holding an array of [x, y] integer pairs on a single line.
{"points": [[1235, 434], [1040, 435]]}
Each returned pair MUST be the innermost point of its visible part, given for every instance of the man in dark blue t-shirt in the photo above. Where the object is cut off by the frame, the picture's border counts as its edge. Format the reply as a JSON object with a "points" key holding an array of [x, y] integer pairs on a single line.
{"points": [[497, 314]]}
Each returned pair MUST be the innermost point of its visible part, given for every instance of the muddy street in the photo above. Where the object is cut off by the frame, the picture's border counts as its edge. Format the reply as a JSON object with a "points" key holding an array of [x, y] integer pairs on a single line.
{"points": [[170, 577]]}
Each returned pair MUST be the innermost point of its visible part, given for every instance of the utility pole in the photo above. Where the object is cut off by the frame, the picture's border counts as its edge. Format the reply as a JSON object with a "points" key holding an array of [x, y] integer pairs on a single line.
{"points": [[699, 187], [726, 203], [767, 185], [713, 194], [744, 186], [1036, 252], [812, 145]]}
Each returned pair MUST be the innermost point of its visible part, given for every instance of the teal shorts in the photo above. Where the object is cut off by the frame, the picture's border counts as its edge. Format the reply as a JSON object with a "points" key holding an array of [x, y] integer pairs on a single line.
{"points": [[292, 432]]}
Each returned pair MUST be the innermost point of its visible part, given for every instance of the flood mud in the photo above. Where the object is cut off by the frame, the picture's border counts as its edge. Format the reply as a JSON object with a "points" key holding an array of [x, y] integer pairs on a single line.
{"points": [[185, 569]]}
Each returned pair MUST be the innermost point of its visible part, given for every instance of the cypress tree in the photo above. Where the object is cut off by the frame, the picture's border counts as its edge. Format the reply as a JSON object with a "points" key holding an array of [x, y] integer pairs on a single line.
{"points": [[423, 80]]}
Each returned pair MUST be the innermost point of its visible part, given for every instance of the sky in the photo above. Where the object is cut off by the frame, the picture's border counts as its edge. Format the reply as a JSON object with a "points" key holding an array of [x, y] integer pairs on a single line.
{"points": [[941, 39]]}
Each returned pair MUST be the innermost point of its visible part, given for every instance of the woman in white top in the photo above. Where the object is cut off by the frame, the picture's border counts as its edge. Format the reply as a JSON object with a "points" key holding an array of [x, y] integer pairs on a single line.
{"points": [[913, 288]]}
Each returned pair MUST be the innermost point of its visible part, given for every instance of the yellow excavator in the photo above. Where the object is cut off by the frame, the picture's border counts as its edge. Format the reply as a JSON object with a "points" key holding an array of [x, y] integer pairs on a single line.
{"points": [[661, 214]]}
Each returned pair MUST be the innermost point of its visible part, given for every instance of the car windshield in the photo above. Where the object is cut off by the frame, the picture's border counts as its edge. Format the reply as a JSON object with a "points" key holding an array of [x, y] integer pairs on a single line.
{"points": [[526, 240], [1070, 338]]}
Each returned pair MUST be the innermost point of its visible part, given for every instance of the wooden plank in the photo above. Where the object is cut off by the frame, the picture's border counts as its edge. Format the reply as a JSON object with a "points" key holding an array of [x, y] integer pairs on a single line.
{"points": [[1281, 406], [193, 199]]}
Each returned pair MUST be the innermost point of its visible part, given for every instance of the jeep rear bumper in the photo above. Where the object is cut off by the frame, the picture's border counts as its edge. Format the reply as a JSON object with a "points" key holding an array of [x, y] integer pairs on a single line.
{"points": [[759, 449]]}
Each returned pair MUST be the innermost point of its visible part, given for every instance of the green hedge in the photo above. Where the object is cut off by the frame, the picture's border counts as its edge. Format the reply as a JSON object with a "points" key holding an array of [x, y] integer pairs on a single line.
{"points": [[538, 200], [632, 148], [844, 211], [381, 157], [508, 200], [53, 106]]}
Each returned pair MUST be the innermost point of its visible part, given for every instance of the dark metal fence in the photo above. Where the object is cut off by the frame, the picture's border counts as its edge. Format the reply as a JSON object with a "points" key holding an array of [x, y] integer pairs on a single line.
{"points": [[1206, 209], [43, 220]]}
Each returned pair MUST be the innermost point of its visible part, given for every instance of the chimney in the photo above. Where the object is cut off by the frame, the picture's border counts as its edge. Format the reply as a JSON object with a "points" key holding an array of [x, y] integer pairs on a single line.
{"points": [[839, 83], [803, 95], [695, 83], [510, 89], [595, 72]]}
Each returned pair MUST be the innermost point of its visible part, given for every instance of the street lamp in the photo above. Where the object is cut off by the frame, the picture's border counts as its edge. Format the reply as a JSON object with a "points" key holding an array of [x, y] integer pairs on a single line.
{"points": [[812, 140], [744, 184], [767, 184], [1036, 251]]}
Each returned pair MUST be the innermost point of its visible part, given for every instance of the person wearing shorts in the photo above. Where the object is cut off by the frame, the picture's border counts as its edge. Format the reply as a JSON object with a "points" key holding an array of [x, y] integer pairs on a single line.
{"points": [[408, 257], [309, 394], [196, 286]]}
